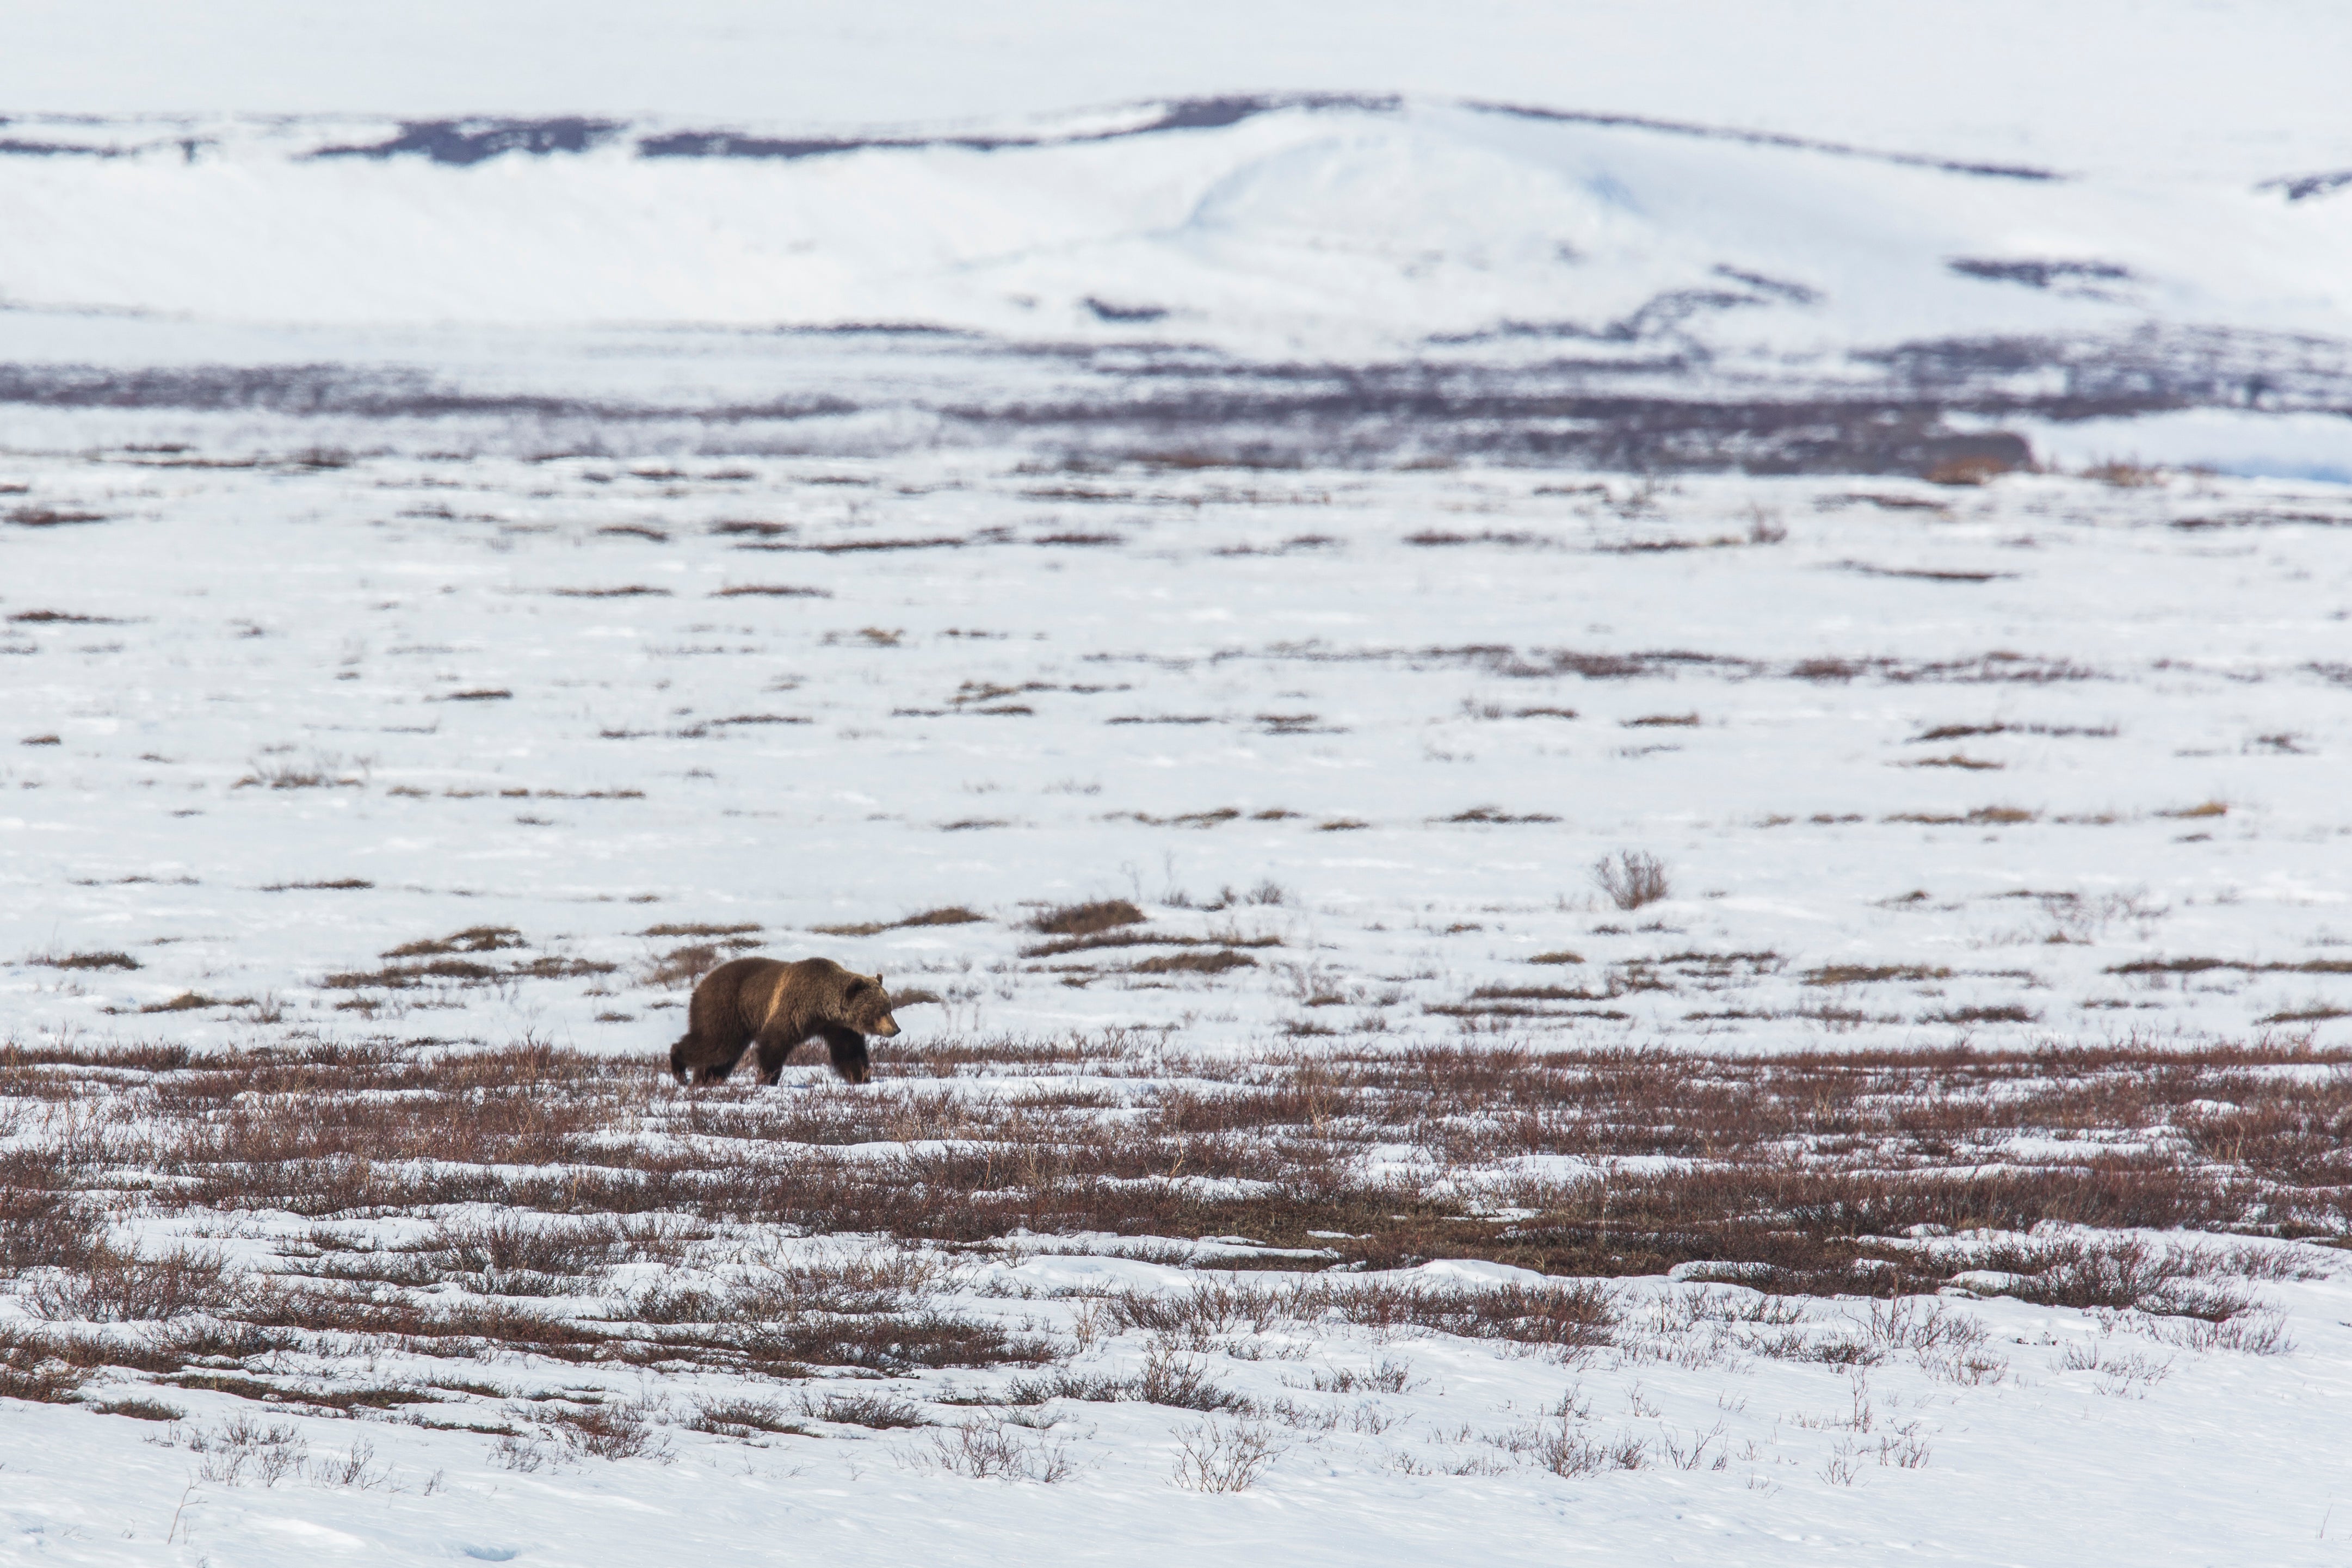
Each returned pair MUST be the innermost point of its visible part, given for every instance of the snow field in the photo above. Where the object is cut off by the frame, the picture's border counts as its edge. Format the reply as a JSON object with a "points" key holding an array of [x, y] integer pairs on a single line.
{"points": [[368, 816], [349, 1352], [2042, 760]]}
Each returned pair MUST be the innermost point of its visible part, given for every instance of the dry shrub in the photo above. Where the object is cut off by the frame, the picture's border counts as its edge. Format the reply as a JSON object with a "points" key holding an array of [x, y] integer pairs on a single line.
{"points": [[607, 1430], [1564, 1450], [1568, 1315], [473, 939], [241, 1451], [2126, 1273], [877, 1411], [1001, 1451], [843, 1282], [511, 1243], [1085, 919], [682, 966], [1632, 879], [1216, 962], [32, 1368], [463, 971], [1873, 974], [1166, 1379], [88, 961], [844, 1309], [951, 915], [42, 1225], [885, 1342], [741, 1417], [2258, 1332], [1224, 1456], [112, 1286], [141, 1409]]}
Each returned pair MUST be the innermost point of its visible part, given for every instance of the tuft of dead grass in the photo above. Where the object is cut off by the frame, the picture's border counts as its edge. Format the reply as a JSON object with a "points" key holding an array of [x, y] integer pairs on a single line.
{"points": [[103, 960], [1085, 920]]}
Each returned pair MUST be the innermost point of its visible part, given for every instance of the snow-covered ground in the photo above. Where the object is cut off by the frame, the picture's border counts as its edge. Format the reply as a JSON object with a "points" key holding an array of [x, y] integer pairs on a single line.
{"points": [[2071, 1442], [2020, 734], [2043, 761]]}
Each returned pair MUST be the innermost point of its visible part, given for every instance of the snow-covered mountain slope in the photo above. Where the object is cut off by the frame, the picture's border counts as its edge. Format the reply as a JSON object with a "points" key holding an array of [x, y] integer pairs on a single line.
{"points": [[2238, 89], [1342, 227]]}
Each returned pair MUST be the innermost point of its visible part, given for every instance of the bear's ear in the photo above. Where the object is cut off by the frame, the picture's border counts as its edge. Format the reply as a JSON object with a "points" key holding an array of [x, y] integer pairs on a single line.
{"points": [[877, 982]]}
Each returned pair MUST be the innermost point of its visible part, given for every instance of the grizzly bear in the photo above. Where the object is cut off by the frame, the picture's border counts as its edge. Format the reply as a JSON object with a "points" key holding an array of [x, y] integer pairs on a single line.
{"points": [[776, 1007]]}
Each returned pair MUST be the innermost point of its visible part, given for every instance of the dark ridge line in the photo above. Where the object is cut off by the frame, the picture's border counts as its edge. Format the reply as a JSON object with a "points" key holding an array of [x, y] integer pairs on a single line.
{"points": [[332, 389], [1658, 317], [1766, 139], [2036, 274], [869, 330], [1177, 114], [468, 141], [12, 147], [2304, 187], [464, 142]]}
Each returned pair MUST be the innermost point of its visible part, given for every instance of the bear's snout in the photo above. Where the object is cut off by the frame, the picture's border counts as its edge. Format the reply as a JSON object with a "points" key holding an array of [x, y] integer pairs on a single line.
{"points": [[886, 1027]]}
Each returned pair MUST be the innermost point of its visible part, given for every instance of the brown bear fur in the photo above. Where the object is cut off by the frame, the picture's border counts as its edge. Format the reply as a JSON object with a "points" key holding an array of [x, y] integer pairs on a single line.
{"points": [[774, 1006]]}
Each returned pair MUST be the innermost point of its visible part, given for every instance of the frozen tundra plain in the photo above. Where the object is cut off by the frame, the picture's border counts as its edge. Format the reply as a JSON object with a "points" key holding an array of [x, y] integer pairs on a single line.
{"points": [[2048, 761]]}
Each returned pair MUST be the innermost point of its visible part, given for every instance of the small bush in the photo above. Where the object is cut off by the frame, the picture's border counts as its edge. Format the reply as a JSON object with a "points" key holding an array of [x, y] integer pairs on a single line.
{"points": [[1633, 878], [112, 1287], [241, 1452], [41, 1223], [682, 966], [35, 1367], [609, 1431], [995, 1449], [877, 1411], [1219, 1456], [741, 1417]]}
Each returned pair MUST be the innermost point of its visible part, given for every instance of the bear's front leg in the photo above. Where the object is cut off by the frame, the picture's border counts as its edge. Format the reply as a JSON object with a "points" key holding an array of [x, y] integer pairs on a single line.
{"points": [[848, 1048], [775, 1049]]}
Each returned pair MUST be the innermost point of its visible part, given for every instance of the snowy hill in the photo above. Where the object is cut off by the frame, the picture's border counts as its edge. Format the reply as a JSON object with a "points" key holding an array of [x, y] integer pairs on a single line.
{"points": [[1269, 227], [1300, 276]]}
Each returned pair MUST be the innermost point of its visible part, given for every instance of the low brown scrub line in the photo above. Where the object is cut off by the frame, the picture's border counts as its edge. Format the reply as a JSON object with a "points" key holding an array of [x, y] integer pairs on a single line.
{"points": [[1813, 1167]]}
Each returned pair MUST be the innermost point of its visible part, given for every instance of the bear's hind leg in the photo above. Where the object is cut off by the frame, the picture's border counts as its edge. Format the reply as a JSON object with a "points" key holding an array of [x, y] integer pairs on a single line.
{"points": [[775, 1049], [849, 1058]]}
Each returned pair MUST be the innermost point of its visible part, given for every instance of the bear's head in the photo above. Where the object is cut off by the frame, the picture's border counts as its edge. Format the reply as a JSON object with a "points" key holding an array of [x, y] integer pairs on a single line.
{"points": [[867, 1003]]}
